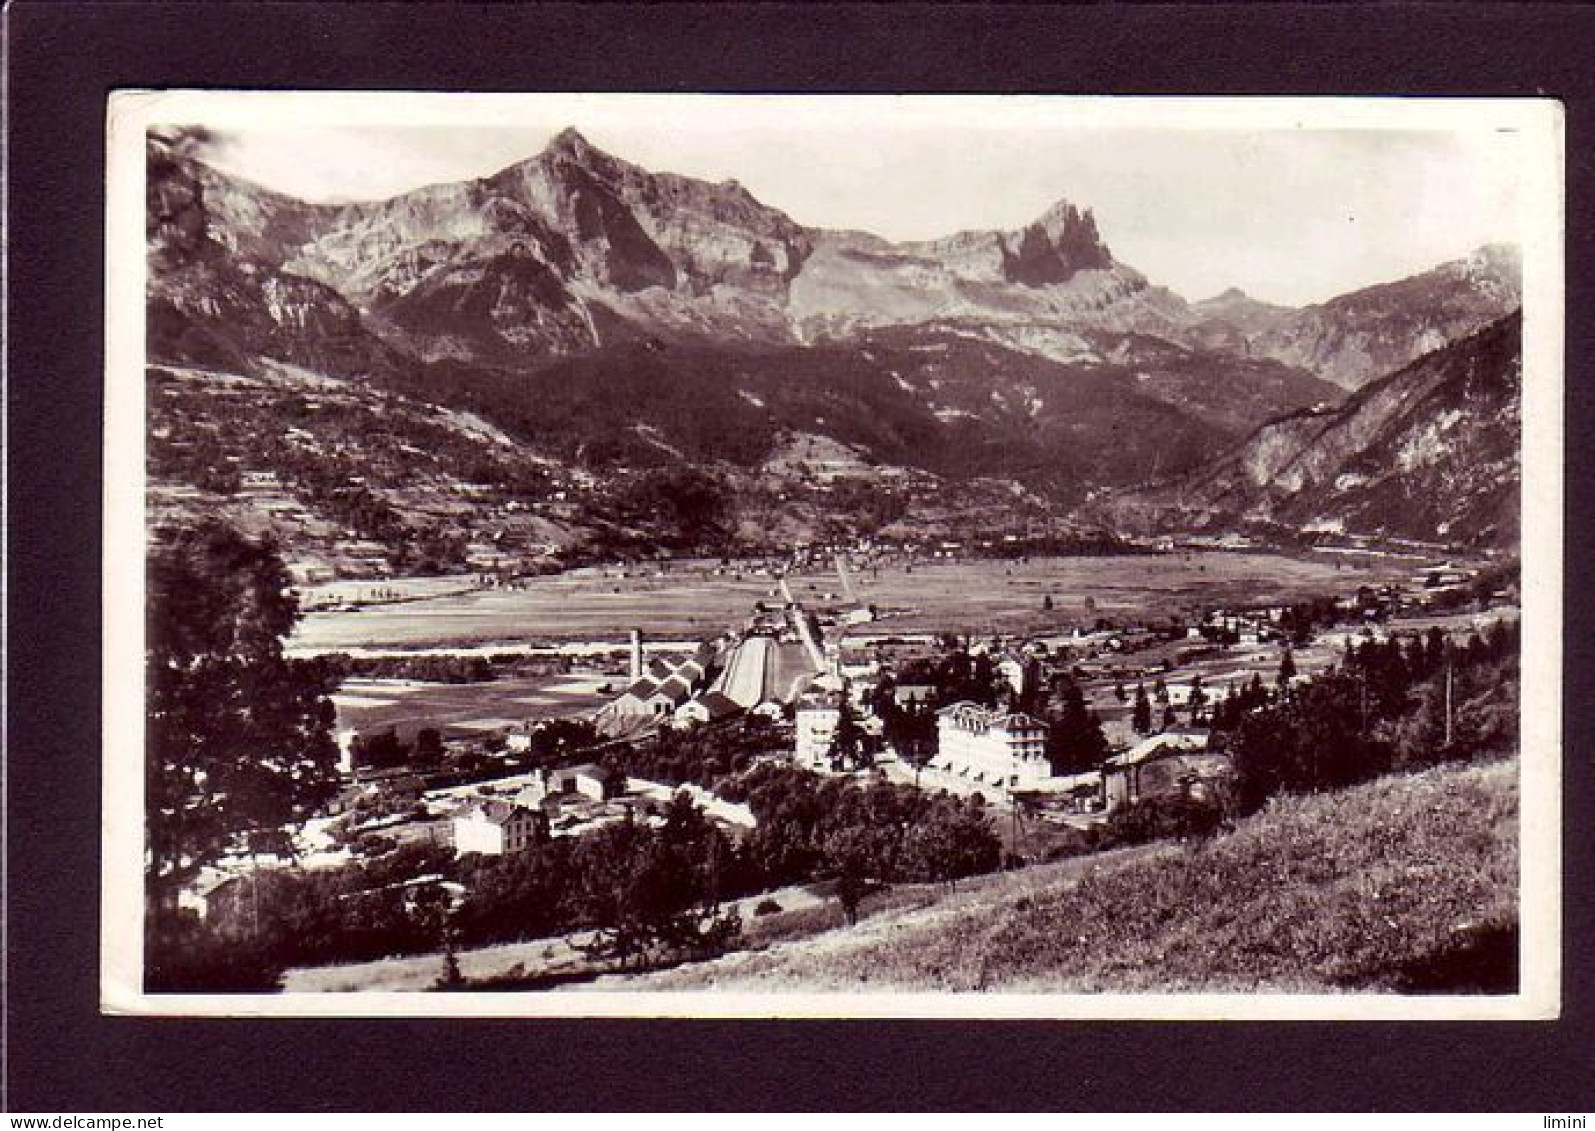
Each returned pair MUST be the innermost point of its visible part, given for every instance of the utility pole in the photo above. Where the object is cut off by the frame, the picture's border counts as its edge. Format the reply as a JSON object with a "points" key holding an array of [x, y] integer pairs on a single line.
{"points": [[1449, 696], [1013, 834]]}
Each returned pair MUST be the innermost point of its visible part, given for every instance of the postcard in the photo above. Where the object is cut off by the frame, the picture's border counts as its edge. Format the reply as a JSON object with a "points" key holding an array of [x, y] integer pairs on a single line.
{"points": [[832, 556]]}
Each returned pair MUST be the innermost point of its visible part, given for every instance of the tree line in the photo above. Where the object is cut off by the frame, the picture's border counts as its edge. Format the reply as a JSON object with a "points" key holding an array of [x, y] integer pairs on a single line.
{"points": [[1389, 705]]}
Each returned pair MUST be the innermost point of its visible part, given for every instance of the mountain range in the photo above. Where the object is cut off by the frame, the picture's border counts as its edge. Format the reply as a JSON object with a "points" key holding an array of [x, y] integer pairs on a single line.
{"points": [[615, 319]]}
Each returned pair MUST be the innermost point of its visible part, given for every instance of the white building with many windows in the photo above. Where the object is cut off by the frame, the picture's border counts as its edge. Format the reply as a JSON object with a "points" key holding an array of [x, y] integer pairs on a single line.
{"points": [[992, 748], [816, 718]]}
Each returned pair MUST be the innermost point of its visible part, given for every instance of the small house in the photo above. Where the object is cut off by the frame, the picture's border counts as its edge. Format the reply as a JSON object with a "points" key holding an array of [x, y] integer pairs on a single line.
{"points": [[1173, 763], [709, 707], [498, 828], [590, 780]]}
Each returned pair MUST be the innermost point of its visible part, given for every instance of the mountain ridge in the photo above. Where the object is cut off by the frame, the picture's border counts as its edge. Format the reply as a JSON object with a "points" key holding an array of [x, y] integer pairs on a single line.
{"points": [[1429, 452], [1029, 357], [543, 255]]}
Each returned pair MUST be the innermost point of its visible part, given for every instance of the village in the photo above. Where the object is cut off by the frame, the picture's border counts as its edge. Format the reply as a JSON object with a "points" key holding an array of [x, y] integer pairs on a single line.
{"points": [[1050, 735]]}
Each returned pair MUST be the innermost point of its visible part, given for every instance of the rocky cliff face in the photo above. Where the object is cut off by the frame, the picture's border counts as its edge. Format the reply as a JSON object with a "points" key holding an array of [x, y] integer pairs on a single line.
{"points": [[1429, 452], [1056, 270], [540, 259], [575, 249], [216, 293]]}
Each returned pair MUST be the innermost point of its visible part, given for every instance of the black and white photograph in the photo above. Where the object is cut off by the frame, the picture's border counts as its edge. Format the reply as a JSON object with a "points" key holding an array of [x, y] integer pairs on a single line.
{"points": [[832, 556]]}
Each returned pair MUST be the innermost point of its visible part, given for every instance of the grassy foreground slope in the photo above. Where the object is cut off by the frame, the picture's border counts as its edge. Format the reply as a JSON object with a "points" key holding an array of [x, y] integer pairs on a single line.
{"points": [[1405, 884]]}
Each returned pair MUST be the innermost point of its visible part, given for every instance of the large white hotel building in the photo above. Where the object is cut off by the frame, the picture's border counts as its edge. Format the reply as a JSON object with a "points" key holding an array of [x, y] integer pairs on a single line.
{"points": [[996, 748]]}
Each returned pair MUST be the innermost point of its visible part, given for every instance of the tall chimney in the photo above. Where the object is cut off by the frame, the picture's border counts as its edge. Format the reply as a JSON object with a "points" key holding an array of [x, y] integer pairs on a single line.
{"points": [[636, 655]]}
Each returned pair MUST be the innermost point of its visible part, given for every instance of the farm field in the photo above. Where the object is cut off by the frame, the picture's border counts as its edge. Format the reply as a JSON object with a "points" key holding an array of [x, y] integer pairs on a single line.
{"points": [[976, 596], [1007, 596], [583, 606], [408, 705]]}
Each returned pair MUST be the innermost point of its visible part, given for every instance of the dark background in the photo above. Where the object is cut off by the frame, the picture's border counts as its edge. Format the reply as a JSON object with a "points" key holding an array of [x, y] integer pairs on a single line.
{"points": [[64, 1057]]}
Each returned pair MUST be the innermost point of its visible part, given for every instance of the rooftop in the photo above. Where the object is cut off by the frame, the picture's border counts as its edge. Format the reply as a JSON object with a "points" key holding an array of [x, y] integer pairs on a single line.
{"points": [[1168, 742]]}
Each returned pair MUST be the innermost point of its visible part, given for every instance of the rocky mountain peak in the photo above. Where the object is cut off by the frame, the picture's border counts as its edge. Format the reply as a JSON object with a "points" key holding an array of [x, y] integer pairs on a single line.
{"points": [[1063, 212], [1503, 256], [569, 142], [1063, 240]]}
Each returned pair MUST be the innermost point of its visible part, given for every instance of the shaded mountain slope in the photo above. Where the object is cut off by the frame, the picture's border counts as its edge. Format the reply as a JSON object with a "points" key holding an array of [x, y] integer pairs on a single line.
{"points": [[1429, 452]]}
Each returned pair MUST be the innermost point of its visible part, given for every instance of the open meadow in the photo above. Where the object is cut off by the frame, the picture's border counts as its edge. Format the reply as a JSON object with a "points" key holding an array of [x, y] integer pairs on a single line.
{"points": [[462, 708], [987, 595], [996, 596], [583, 605]]}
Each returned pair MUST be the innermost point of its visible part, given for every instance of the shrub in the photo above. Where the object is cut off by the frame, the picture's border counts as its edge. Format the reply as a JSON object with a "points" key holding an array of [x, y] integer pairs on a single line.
{"points": [[1157, 818], [374, 844], [185, 957]]}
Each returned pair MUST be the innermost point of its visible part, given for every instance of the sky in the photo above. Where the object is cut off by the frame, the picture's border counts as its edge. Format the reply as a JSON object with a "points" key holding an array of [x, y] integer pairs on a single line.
{"points": [[1288, 212]]}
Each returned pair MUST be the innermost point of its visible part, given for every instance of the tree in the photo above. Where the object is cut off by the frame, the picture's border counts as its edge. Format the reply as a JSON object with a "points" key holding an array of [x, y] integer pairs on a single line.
{"points": [[1141, 713], [846, 742], [1312, 741], [379, 751], [855, 858], [428, 747], [953, 841], [1162, 817], [654, 892], [239, 736], [1434, 650], [451, 978], [1075, 741], [1287, 669], [559, 738]]}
